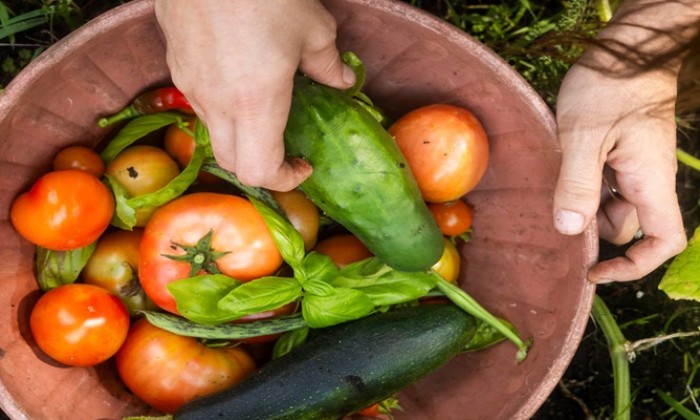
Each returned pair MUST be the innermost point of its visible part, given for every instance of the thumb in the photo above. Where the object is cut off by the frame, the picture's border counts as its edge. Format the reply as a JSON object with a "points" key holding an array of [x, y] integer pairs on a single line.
{"points": [[326, 67], [577, 193]]}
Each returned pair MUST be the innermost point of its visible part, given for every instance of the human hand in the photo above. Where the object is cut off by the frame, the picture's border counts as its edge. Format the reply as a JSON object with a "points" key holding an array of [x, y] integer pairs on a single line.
{"points": [[235, 62], [626, 123]]}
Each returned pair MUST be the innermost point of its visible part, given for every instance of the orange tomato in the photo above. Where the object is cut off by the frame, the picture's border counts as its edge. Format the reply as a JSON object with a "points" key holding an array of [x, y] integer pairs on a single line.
{"points": [[167, 370], [446, 148], [63, 210], [343, 249], [79, 157], [180, 145], [79, 324], [302, 213]]}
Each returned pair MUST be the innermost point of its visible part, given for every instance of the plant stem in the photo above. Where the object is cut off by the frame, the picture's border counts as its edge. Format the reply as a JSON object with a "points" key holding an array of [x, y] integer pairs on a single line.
{"points": [[460, 298], [688, 159], [618, 354], [604, 10]]}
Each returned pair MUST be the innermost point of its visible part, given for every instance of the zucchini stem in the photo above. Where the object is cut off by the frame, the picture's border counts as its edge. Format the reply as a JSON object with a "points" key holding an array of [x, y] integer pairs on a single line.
{"points": [[460, 298]]}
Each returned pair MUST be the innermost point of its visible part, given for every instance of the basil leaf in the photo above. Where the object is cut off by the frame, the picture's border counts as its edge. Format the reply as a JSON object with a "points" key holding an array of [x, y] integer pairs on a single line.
{"points": [[136, 129], [384, 285], [56, 268], [289, 341], [201, 137], [318, 267], [198, 297], [288, 240], [260, 295], [342, 306], [124, 216]]}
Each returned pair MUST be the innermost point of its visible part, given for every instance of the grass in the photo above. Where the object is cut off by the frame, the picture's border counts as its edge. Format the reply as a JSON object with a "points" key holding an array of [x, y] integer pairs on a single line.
{"points": [[540, 40]]}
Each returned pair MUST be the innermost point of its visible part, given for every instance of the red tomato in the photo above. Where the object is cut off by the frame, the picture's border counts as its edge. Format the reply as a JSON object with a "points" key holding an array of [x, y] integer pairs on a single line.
{"points": [[453, 218], [446, 148], [114, 266], [343, 249], [79, 324], [167, 370], [79, 157], [302, 213], [241, 244], [63, 210], [448, 265], [143, 169]]}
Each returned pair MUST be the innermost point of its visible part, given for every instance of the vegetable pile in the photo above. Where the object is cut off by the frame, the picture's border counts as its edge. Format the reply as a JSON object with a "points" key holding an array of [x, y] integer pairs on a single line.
{"points": [[197, 285]]}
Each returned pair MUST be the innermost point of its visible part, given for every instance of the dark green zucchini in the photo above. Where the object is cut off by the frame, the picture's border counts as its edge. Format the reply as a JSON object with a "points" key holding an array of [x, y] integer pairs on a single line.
{"points": [[345, 368], [361, 178]]}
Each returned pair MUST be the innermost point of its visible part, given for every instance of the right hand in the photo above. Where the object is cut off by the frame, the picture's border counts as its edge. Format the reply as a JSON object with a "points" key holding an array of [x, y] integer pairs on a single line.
{"points": [[627, 123], [235, 61]]}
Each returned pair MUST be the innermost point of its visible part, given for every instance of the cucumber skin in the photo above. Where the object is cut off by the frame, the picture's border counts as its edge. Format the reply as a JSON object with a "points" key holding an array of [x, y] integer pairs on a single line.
{"points": [[361, 179], [344, 368]]}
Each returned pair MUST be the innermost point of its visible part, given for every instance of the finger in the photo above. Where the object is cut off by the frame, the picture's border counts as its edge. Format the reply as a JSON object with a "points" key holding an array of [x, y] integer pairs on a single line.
{"points": [[259, 144], [640, 260], [652, 192], [577, 193], [325, 66], [617, 221]]}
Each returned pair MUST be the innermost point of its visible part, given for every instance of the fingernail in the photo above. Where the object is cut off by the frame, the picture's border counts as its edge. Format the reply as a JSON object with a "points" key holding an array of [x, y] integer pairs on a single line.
{"points": [[569, 222], [348, 75]]}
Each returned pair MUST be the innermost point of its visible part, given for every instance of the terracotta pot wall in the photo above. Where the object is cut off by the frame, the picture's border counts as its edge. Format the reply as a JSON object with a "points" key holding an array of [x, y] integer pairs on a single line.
{"points": [[518, 266]]}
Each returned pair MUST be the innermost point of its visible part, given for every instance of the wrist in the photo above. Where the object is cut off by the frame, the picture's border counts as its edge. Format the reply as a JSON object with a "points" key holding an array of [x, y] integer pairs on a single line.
{"points": [[646, 35]]}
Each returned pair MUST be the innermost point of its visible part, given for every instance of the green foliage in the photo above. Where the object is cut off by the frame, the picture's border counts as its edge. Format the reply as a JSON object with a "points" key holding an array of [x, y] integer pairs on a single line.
{"points": [[539, 39], [681, 281], [29, 27]]}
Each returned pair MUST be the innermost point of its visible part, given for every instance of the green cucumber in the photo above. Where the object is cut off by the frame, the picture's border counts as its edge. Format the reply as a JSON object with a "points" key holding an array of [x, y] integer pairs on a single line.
{"points": [[344, 368], [361, 179]]}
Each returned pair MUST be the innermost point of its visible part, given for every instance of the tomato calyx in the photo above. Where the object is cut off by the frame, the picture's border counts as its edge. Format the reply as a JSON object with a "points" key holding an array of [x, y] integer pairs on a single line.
{"points": [[200, 256]]}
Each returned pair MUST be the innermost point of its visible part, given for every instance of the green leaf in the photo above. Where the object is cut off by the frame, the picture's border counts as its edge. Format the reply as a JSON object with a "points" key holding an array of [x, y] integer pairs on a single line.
{"points": [[138, 128], [260, 295], [198, 297], [124, 216], [319, 268], [56, 268], [289, 341], [682, 278], [11, 26], [677, 406], [384, 285], [288, 240], [486, 336], [342, 306]]}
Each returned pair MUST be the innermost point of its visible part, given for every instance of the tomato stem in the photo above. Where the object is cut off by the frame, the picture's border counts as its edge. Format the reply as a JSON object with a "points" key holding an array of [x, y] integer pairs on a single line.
{"points": [[200, 256]]}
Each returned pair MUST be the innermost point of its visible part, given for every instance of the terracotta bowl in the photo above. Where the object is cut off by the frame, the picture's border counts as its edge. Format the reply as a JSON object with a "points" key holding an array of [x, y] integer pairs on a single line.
{"points": [[518, 266]]}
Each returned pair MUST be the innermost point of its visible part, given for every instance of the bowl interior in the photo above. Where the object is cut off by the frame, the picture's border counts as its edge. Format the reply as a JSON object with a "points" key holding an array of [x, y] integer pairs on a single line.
{"points": [[517, 265]]}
